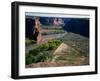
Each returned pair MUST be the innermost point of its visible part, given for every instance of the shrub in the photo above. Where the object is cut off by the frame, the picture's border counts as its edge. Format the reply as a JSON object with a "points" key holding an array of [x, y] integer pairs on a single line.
{"points": [[29, 42], [30, 59], [40, 57], [52, 46], [42, 52], [34, 51], [32, 41]]}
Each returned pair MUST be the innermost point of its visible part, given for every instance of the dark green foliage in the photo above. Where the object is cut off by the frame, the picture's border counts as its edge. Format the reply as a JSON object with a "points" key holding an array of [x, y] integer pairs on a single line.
{"points": [[42, 52], [40, 57], [30, 58], [78, 52], [34, 51], [53, 44], [29, 42]]}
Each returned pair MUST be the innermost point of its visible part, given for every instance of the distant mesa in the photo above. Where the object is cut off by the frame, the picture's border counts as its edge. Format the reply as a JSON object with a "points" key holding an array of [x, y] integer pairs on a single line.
{"points": [[78, 26], [74, 25]]}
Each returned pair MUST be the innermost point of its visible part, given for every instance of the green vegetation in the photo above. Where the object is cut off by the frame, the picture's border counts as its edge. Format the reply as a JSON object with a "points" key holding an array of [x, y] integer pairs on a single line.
{"points": [[34, 58], [42, 53], [77, 54], [29, 42]]}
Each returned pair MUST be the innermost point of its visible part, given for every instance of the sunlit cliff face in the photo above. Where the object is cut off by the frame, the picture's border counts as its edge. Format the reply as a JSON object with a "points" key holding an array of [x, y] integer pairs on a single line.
{"points": [[57, 21]]}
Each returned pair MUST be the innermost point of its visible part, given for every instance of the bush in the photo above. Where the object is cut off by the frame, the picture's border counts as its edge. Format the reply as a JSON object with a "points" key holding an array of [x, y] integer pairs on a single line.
{"points": [[32, 41], [34, 51], [30, 59], [54, 44], [43, 47], [40, 57], [29, 42], [42, 52]]}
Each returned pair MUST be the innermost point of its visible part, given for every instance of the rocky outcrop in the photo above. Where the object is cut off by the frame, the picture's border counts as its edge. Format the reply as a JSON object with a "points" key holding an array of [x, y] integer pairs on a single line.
{"points": [[61, 49]]}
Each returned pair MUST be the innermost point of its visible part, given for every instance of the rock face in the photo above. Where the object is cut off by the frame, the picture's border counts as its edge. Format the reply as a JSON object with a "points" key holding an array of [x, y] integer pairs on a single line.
{"points": [[29, 28], [61, 49], [78, 26], [58, 22], [75, 25]]}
